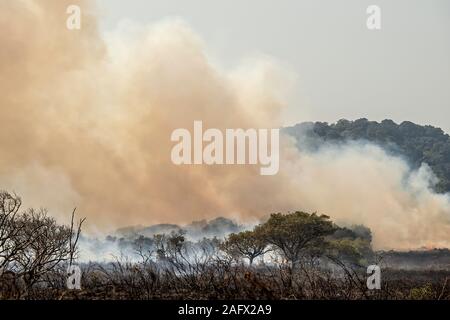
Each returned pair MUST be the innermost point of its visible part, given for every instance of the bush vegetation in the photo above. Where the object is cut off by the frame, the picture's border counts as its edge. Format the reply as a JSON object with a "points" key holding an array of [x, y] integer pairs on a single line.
{"points": [[296, 255]]}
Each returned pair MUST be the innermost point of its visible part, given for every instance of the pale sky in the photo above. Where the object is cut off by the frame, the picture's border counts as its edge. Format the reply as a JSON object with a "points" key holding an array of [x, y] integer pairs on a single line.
{"points": [[344, 70]]}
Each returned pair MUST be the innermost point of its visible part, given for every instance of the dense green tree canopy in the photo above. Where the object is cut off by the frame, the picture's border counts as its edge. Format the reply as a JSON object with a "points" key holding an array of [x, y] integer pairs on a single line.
{"points": [[418, 144], [296, 233]]}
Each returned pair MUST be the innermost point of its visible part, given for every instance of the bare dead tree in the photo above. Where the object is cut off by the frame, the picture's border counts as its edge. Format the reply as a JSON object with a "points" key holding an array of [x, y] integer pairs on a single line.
{"points": [[75, 236], [32, 244], [9, 229]]}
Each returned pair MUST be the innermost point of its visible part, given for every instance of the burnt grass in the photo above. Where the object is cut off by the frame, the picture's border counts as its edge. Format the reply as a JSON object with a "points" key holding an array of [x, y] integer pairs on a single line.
{"points": [[222, 280]]}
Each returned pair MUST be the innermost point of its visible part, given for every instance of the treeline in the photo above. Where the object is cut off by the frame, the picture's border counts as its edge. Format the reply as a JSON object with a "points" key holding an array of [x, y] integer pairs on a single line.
{"points": [[418, 144]]}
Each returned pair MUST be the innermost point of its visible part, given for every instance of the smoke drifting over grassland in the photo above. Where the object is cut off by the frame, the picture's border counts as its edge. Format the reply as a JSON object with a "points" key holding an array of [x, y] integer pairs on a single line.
{"points": [[86, 121]]}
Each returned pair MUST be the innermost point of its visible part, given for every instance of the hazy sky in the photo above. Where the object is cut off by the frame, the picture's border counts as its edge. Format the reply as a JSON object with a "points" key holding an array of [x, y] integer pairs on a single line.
{"points": [[343, 69]]}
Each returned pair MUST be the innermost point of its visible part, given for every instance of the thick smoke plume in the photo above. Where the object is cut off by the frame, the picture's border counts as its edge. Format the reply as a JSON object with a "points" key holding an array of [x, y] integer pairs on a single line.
{"points": [[86, 121]]}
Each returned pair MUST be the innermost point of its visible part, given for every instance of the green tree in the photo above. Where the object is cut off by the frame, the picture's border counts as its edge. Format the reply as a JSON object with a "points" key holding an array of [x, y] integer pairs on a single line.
{"points": [[248, 244], [351, 246], [296, 234], [352, 252]]}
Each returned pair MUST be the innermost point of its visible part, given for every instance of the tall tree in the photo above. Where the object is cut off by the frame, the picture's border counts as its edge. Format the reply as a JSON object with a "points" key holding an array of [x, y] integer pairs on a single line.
{"points": [[296, 233], [248, 244]]}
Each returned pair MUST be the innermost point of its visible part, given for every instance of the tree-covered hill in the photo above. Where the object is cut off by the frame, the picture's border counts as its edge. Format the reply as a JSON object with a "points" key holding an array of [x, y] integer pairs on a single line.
{"points": [[418, 144]]}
